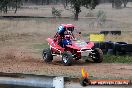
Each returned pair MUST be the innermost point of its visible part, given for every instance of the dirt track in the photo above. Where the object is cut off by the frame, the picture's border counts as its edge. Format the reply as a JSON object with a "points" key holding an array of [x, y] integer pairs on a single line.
{"points": [[18, 61]]}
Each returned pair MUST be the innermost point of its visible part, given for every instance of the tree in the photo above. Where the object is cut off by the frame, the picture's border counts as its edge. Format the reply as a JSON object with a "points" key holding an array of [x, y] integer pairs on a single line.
{"points": [[65, 2], [118, 3], [47, 2], [77, 4], [5, 5], [125, 2]]}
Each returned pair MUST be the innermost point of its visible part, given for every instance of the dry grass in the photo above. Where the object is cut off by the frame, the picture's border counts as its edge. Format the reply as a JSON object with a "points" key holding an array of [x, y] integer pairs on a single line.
{"points": [[25, 32], [122, 38]]}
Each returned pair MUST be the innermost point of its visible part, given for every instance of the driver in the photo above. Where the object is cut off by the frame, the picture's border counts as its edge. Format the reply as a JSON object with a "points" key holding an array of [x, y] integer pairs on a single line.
{"points": [[66, 41], [64, 29]]}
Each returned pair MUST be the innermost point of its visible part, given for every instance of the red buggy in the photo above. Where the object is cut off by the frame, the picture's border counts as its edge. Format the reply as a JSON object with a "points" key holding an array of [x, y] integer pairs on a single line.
{"points": [[70, 51]]}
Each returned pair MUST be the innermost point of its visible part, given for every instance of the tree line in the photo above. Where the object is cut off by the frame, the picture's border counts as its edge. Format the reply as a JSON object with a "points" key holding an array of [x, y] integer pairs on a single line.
{"points": [[42, 2], [6, 5]]}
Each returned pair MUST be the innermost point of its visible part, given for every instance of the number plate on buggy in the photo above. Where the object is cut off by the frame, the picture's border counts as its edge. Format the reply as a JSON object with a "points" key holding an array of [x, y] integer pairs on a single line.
{"points": [[85, 53]]}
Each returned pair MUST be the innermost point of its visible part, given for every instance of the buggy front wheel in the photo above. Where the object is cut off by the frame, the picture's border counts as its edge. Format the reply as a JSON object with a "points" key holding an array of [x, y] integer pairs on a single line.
{"points": [[47, 55], [67, 58]]}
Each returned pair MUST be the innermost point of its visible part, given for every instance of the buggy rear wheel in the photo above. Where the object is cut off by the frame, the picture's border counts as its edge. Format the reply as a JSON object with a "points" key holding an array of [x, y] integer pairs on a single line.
{"points": [[67, 58], [97, 55], [47, 55]]}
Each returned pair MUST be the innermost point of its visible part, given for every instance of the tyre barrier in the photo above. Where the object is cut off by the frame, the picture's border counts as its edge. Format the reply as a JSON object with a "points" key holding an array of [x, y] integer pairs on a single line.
{"points": [[114, 48], [111, 32]]}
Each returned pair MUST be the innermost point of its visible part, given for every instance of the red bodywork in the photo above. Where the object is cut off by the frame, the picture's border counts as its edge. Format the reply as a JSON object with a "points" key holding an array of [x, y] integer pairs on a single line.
{"points": [[76, 48]]}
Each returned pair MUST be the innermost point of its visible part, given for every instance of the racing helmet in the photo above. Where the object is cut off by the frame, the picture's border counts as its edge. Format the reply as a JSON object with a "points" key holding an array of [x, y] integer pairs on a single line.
{"points": [[69, 28], [61, 29]]}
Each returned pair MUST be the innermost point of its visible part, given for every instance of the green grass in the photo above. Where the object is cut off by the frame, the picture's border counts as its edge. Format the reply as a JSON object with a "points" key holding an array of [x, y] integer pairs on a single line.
{"points": [[117, 59]]}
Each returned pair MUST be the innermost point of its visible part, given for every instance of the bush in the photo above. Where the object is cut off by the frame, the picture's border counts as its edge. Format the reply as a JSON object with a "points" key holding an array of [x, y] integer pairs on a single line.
{"points": [[90, 13], [56, 12], [117, 4], [101, 17]]}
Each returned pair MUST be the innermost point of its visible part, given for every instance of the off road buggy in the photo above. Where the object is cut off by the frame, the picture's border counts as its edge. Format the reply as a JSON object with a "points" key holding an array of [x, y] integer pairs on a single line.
{"points": [[73, 50]]}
